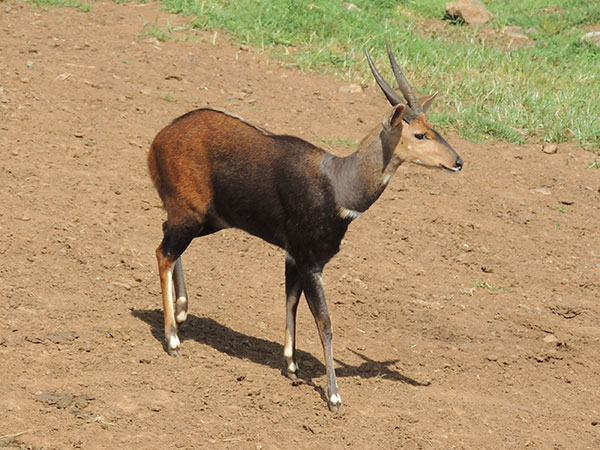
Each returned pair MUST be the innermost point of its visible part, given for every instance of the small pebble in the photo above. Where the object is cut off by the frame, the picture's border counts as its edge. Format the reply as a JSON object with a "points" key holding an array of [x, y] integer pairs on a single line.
{"points": [[542, 191], [550, 149]]}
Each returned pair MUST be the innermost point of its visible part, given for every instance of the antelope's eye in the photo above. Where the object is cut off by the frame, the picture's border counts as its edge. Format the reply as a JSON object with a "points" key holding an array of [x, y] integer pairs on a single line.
{"points": [[420, 136]]}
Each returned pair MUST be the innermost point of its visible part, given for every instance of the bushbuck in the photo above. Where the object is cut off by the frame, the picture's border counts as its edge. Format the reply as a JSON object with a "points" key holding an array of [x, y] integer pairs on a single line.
{"points": [[214, 170]]}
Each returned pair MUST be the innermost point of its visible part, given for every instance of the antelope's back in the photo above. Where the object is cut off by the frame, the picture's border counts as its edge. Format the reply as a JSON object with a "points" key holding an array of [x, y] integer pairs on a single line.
{"points": [[211, 162]]}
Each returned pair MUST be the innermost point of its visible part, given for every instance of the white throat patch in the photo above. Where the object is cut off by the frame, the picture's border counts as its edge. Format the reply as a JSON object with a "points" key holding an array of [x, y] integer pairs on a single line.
{"points": [[346, 213]]}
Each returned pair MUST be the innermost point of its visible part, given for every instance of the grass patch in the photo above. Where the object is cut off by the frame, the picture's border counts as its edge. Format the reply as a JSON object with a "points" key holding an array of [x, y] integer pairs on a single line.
{"points": [[548, 91], [561, 209], [341, 141], [82, 6], [594, 165], [479, 283], [165, 33]]}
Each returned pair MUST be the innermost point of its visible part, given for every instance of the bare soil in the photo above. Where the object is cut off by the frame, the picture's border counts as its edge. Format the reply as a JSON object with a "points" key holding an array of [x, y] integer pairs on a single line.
{"points": [[465, 307]]}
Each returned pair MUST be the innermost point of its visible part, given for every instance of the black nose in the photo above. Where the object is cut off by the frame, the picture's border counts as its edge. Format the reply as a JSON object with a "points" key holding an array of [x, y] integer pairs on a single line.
{"points": [[459, 164]]}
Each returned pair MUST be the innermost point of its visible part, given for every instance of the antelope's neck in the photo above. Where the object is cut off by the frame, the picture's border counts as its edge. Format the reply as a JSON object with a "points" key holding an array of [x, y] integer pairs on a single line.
{"points": [[360, 178]]}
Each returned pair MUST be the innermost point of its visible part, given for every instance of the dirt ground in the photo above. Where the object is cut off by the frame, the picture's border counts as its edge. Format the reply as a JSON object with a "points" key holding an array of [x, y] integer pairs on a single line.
{"points": [[465, 307]]}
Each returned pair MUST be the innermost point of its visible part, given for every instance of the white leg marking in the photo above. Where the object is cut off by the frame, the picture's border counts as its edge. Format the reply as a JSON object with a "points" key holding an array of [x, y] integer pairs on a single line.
{"points": [[173, 338], [174, 342], [180, 308], [290, 327], [180, 291], [288, 350], [335, 399], [292, 367]]}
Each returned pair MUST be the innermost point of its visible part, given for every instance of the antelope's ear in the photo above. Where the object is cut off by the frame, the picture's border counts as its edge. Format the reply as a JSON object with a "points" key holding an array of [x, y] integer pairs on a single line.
{"points": [[427, 100], [394, 118]]}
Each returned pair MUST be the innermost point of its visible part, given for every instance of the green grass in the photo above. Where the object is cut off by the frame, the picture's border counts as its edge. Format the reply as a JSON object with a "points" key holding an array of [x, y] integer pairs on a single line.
{"points": [[341, 141], [547, 92], [479, 283], [561, 209], [165, 33], [82, 6], [594, 165]]}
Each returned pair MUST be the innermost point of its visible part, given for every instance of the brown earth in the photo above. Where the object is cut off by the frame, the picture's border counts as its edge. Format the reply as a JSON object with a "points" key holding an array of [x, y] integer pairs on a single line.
{"points": [[464, 306]]}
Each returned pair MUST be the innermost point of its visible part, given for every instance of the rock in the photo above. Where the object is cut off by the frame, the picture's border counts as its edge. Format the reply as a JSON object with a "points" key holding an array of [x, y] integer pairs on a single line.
{"points": [[566, 312], [121, 284], [82, 414], [352, 88], [542, 191], [58, 400], [471, 11], [62, 337], [550, 149], [550, 339], [34, 339], [593, 37]]}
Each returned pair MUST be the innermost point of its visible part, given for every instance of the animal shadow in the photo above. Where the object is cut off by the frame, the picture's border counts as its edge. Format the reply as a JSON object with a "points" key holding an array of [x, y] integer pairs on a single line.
{"points": [[261, 351]]}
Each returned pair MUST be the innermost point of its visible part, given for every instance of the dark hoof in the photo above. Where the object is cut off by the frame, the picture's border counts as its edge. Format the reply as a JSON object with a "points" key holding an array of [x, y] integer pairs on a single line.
{"points": [[335, 403], [174, 352], [335, 408], [291, 375]]}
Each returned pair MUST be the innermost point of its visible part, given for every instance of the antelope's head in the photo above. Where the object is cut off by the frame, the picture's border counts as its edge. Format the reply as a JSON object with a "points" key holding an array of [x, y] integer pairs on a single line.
{"points": [[419, 142]]}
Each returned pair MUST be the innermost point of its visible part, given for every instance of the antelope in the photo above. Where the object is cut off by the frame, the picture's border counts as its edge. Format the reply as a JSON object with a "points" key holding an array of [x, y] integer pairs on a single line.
{"points": [[213, 170]]}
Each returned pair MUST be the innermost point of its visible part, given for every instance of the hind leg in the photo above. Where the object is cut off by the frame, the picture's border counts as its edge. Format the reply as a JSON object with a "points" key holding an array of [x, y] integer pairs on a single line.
{"points": [[181, 298], [174, 243]]}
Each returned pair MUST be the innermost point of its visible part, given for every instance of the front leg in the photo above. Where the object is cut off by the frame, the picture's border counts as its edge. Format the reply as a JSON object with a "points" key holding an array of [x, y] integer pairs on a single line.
{"points": [[312, 283], [293, 290]]}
